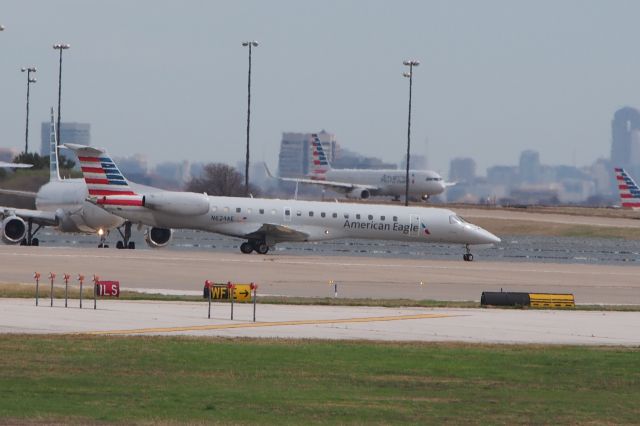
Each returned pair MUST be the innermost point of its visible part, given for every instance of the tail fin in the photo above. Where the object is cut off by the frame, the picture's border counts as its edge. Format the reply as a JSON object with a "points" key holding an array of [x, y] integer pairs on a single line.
{"points": [[629, 191], [54, 171], [100, 172], [319, 162]]}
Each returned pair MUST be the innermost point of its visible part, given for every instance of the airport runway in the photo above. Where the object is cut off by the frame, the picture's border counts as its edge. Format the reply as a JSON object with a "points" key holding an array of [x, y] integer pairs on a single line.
{"points": [[324, 322], [559, 218], [357, 277]]}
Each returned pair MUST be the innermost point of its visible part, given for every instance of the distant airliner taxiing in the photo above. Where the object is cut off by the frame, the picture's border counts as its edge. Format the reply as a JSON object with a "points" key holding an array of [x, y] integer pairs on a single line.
{"points": [[628, 189], [62, 204], [363, 183], [263, 223]]}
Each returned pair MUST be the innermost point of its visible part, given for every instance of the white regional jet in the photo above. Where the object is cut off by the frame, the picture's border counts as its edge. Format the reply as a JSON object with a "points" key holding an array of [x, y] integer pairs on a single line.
{"points": [[61, 203], [264, 222], [363, 183]]}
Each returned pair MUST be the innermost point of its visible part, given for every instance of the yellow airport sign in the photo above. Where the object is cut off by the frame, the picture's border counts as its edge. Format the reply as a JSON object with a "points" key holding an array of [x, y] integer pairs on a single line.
{"points": [[241, 293], [548, 300]]}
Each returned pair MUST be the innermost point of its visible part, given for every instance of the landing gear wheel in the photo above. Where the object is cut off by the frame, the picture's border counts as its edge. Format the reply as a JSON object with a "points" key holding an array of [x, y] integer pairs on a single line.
{"points": [[262, 248], [131, 245], [468, 257], [246, 248], [119, 245]]}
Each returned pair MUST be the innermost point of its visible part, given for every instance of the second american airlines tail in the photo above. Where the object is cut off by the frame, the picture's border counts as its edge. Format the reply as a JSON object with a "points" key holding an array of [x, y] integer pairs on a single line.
{"points": [[628, 190], [263, 223]]}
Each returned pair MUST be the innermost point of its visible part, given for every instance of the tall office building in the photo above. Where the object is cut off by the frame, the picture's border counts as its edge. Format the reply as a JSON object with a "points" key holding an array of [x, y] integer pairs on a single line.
{"points": [[462, 170], [530, 166], [295, 152], [79, 133], [625, 122]]}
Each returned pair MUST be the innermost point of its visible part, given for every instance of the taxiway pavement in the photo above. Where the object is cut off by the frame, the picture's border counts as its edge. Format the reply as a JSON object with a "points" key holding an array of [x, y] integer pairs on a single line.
{"points": [[508, 326], [309, 276]]}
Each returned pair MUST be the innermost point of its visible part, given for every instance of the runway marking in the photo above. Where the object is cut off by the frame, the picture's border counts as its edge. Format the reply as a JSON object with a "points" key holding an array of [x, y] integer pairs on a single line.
{"points": [[267, 324]]}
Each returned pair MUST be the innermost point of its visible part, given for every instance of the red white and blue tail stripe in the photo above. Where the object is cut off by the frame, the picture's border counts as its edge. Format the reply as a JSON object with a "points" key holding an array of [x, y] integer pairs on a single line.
{"points": [[629, 191], [105, 182], [319, 162]]}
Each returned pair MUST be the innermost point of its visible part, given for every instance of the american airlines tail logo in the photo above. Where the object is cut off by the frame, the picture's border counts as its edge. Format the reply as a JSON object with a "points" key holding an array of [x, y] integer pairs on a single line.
{"points": [[320, 164], [106, 183], [629, 191]]}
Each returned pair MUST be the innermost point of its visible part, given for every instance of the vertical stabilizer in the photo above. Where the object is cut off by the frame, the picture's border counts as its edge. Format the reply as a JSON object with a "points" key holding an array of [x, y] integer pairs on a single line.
{"points": [[629, 191], [319, 161], [54, 171]]}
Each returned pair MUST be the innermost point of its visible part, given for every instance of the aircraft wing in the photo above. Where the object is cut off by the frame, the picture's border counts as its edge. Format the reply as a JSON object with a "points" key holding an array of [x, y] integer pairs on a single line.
{"points": [[338, 186], [27, 194], [15, 165], [277, 233], [38, 217]]}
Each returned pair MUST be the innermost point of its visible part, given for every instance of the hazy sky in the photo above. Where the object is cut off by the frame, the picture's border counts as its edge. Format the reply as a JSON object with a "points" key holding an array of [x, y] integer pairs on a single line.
{"points": [[169, 78]]}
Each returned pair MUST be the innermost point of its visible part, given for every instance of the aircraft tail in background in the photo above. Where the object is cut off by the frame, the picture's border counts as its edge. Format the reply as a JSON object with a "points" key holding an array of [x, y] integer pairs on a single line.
{"points": [[54, 170], [628, 189], [319, 162]]}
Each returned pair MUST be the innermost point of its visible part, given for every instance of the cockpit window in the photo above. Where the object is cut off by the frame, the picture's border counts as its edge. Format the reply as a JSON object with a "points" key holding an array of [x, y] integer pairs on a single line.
{"points": [[453, 219]]}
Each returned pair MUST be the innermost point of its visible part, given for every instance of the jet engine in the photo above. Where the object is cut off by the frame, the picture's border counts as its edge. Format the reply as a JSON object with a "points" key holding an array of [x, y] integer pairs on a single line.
{"points": [[157, 237], [178, 203], [361, 193], [13, 230]]}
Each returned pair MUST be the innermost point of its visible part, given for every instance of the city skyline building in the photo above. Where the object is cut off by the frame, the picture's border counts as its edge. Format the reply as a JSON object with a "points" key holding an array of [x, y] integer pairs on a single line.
{"points": [[70, 132], [295, 152]]}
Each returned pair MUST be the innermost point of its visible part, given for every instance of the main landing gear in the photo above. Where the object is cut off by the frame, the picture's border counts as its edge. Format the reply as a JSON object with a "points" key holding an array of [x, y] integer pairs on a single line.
{"points": [[260, 247], [29, 239], [467, 257], [125, 243]]}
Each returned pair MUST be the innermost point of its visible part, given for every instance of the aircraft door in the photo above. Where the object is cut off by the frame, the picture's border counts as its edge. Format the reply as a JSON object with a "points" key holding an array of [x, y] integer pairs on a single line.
{"points": [[287, 214], [414, 221]]}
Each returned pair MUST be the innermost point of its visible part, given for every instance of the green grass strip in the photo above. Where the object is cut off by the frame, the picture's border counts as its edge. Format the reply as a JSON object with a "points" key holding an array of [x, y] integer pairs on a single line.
{"points": [[79, 379]]}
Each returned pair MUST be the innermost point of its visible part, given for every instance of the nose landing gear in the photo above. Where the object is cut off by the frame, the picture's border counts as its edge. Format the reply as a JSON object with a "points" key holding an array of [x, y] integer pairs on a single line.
{"points": [[467, 257]]}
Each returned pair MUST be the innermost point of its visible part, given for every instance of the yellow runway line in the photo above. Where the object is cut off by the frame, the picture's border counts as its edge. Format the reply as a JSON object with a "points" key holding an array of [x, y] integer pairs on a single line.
{"points": [[266, 324]]}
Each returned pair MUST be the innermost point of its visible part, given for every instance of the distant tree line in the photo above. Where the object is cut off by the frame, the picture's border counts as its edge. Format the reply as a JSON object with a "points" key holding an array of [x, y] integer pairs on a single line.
{"points": [[42, 162], [220, 180]]}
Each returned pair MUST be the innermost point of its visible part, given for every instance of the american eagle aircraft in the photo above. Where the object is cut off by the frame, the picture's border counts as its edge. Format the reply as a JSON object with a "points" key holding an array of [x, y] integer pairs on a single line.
{"points": [[363, 183], [62, 204], [265, 222], [629, 191]]}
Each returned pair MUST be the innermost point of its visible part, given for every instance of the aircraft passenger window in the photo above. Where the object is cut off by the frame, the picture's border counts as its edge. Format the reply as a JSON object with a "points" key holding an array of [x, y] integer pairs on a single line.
{"points": [[395, 218], [226, 209], [370, 217], [261, 211], [287, 212], [310, 214], [249, 211], [214, 208], [382, 218], [358, 216], [346, 215], [238, 209], [335, 215], [322, 214], [298, 213], [273, 211]]}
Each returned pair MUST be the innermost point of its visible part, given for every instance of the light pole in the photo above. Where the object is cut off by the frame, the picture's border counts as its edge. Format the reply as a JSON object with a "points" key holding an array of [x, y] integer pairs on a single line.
{"points": [[60, 47], [30, 80], [246, 166], [409, 75]]}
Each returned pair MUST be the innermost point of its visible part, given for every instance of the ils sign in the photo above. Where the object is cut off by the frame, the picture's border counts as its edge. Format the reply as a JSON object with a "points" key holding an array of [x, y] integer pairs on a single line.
{"points": [[108, 288], [242, 292]]}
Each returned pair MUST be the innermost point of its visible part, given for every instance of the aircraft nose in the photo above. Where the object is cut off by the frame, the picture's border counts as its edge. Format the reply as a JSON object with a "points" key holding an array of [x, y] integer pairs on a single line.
{"points": [[488, 237]]}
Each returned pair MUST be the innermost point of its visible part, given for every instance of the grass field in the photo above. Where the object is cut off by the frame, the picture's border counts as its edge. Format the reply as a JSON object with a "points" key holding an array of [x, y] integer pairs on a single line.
{"points": [[75, 379]]}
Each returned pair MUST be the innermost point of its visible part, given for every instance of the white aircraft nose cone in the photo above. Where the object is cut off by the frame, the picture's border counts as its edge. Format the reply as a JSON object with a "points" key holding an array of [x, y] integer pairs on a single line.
{"points": [[489, 237]]}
